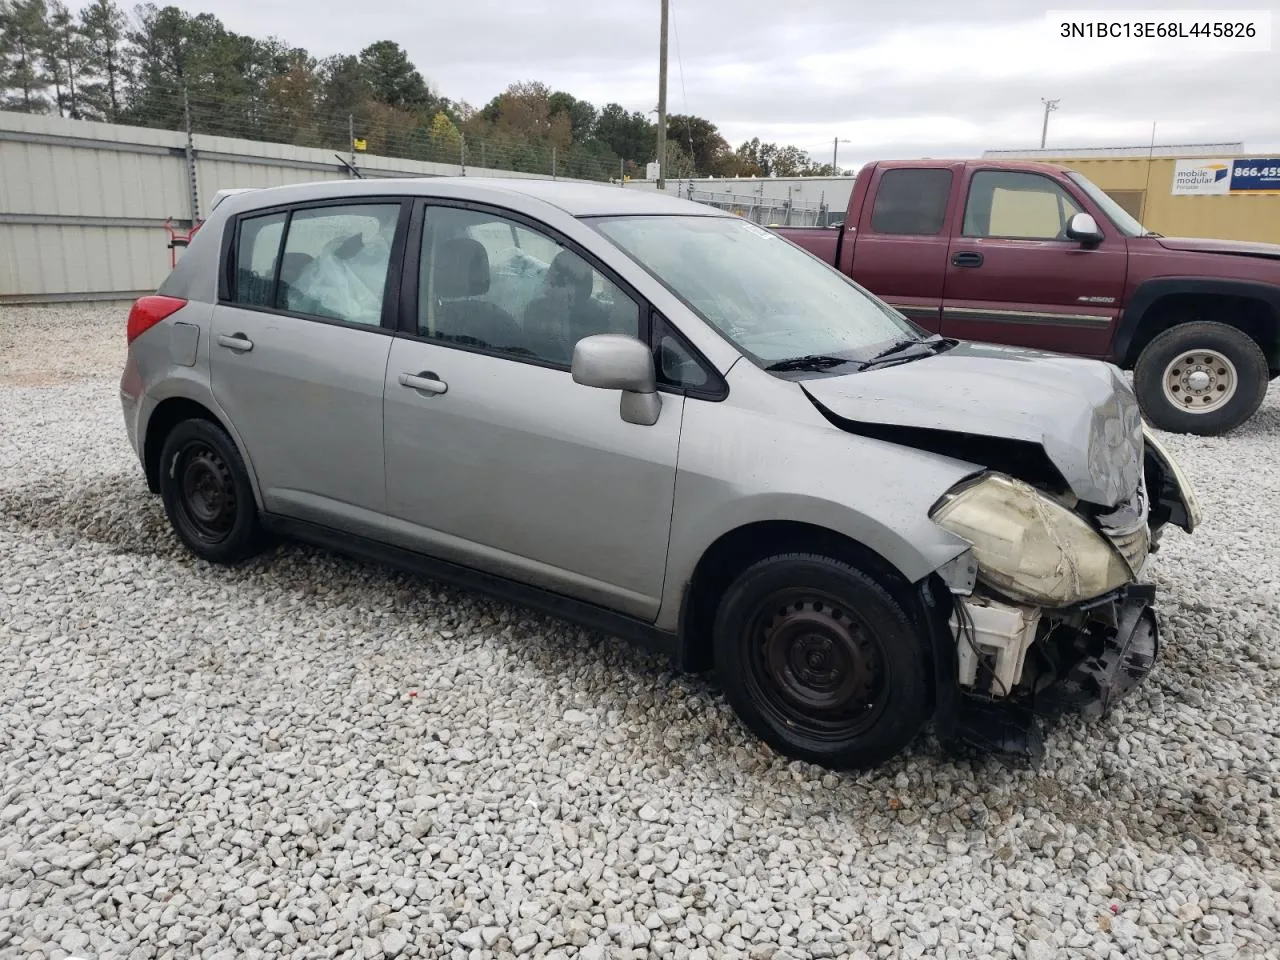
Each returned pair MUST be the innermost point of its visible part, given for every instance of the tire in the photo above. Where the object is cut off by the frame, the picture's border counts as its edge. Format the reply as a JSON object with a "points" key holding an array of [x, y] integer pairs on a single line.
{"points": [[1203, 378], [207, 495], [784, 620]]}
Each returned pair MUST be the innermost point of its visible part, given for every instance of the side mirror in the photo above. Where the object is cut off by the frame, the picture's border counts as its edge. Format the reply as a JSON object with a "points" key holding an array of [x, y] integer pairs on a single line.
{"points": [[612, 361], [1083, 228]]}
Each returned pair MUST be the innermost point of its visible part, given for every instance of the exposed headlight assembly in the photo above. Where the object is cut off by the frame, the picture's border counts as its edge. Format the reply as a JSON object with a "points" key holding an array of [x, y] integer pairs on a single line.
{"points": [[1027, 546]]}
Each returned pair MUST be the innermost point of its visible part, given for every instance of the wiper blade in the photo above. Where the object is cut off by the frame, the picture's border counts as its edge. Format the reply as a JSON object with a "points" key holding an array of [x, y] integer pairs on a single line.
{"points": [[814, 361]]}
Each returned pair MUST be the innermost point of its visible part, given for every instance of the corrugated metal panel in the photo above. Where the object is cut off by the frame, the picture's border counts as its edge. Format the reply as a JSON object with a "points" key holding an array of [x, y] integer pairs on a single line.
{"points": [[99, 194], [40, 261]]}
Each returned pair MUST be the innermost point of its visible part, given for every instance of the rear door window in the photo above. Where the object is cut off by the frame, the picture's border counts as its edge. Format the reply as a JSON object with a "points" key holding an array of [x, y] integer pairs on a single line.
{"points": [[335, 262], [330, 261], [911, 202]]}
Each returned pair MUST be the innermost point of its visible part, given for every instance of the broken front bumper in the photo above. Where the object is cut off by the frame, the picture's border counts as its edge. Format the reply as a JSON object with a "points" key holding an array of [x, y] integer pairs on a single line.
{"points": [[1017, 664]]}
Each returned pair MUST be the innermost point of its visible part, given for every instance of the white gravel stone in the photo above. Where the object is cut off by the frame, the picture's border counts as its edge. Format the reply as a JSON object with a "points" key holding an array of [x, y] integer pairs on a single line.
{"points": [[228, 763]]}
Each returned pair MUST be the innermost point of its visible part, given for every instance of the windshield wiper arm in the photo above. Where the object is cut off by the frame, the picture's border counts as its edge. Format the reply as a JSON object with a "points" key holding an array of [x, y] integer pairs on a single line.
{"points": [[813, 361], [903, 349]]}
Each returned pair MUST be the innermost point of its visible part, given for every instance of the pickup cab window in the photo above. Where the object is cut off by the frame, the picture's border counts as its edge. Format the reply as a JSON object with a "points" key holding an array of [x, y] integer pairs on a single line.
{"points": [[1017, 206], [911, 202]]}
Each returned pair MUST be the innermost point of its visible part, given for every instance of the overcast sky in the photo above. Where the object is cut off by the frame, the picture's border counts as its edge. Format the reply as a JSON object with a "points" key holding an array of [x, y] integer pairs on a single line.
{"points": [[902, 78]]}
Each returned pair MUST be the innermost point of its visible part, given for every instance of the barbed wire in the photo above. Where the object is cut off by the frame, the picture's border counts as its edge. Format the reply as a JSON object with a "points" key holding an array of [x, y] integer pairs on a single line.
{"points": [[385, 133]]}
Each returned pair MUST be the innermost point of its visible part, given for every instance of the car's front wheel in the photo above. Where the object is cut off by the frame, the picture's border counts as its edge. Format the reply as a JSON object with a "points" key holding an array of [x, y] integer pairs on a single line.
{"points": [[207, 495], [820, 662], [1203, 378]]}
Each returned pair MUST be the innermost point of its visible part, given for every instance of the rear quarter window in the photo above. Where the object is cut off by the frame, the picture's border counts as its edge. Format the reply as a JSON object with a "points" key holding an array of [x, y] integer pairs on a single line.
{"points": [[257, 250], [911, 202]]}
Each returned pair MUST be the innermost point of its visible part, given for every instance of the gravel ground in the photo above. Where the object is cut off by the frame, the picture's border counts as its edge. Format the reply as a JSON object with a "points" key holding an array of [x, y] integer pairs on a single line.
{"points": [[313, 757]]}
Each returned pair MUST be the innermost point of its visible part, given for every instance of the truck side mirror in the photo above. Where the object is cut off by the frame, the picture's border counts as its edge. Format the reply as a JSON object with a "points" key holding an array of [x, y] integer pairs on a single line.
{"points": [[1083, 228]]}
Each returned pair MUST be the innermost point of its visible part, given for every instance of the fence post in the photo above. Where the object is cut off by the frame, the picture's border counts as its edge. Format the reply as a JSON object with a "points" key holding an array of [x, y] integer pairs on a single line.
{"points": [[553, 163], [622, 173], [462, 152], [192, 183], [351, 141]]}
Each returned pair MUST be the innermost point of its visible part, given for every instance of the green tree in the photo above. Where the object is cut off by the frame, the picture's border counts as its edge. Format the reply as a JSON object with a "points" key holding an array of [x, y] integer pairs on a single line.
{"points": [[102, 28], [790, 162], [445, 139], [63, 52], [24, 25], [582, 115], [700, 140], [344, 90], [394, 79], [629, 135]]}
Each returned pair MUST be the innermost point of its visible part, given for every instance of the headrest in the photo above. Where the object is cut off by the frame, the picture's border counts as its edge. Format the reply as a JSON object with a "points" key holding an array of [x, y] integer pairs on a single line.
{"points": [[569, 270], [462, 269]]}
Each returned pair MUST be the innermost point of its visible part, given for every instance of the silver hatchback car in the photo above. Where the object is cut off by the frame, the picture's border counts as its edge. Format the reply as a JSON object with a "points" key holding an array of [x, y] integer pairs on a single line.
{"points": [[661, 421]]}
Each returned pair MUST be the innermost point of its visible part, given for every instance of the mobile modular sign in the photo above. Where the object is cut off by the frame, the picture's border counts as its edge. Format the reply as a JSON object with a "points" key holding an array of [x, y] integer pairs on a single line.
{"points": [[1226, 176]]}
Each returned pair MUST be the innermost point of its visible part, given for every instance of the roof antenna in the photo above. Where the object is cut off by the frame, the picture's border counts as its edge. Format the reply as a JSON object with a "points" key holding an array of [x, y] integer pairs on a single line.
{"points": [[1151, 153]]}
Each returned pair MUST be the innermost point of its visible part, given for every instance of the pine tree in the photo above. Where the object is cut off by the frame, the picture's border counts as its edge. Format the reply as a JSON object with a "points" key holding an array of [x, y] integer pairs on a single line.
{"points": [[102, 31], [23, 25], [63, 56]]}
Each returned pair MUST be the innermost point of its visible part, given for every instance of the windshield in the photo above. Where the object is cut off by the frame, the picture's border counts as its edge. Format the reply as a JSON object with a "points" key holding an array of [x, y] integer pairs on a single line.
{"points": [[1124, 221], [772, 300]]}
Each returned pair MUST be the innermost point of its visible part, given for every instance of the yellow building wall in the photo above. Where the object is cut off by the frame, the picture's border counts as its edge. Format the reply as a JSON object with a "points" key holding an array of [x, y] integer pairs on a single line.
{"points": [[1254, 217]]}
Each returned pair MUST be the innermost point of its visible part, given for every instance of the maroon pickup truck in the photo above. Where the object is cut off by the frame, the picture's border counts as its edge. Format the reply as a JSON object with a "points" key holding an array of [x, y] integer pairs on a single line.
{"points": [[1035, 255]]}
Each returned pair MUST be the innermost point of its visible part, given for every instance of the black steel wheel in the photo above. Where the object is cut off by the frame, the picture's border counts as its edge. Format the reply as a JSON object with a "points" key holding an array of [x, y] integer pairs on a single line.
{"points": [[207, 494], [819, 661]]}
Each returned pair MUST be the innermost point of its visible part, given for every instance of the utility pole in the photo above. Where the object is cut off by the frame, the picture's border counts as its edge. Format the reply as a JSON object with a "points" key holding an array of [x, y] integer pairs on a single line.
{"points": [[1049, 107], [662, 101], [835, 156]]}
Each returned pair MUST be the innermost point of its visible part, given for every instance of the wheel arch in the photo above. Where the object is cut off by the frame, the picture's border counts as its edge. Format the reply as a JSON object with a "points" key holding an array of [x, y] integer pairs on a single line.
{"points": [[737, 549], [168, 413], [1161, 304]]}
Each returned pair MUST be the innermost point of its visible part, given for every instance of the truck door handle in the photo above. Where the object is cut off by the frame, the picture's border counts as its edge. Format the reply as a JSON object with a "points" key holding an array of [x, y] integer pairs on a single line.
{"points": [[967, 259], [426, 381], [237, 342]]}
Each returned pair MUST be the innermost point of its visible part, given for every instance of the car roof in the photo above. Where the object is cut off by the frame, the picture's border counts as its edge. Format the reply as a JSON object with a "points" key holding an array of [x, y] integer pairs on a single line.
{"points": [[576, 198]]}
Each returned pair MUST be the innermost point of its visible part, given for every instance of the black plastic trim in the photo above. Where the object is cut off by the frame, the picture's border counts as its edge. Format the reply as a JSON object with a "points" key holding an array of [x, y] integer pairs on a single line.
{"points": [[588, 615], [1148, 293]]}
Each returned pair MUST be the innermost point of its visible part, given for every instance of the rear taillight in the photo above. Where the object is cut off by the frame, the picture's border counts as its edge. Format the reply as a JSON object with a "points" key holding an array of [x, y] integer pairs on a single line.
{"points": [[148, 311]]}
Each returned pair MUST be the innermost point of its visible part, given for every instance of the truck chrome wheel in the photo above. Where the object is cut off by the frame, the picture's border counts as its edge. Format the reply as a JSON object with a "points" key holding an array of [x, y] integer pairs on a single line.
{"points": [[1199, 381]]}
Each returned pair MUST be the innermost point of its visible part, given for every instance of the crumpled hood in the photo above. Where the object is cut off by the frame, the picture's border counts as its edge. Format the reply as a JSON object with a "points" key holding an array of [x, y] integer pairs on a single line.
{"points": [[1237, 247], [1082, 413]]}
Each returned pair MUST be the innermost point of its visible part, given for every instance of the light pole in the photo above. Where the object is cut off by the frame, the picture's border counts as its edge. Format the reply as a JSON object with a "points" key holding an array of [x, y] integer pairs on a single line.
{"points": [[1049, 107], [835, 156]]}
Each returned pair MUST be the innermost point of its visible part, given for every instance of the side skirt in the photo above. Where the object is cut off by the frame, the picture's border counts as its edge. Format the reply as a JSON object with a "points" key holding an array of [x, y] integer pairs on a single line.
{"points": [[588, 615]]}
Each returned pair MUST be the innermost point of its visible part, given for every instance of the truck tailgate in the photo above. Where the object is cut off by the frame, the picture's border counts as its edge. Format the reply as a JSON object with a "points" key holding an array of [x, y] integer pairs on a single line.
{"points": [[820, 241]]}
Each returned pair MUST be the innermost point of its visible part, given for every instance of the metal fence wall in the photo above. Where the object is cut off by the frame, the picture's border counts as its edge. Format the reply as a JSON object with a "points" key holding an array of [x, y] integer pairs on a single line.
{"points": [[83, 205]]}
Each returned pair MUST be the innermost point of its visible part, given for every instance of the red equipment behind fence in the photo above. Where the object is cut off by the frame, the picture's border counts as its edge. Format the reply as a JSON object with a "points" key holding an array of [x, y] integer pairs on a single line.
{"points": [[178, 238]]}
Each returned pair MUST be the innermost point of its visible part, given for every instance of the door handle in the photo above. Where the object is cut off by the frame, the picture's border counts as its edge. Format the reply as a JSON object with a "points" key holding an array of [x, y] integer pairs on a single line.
{"points": [[967, 259], [237, 342], [426, 381]]}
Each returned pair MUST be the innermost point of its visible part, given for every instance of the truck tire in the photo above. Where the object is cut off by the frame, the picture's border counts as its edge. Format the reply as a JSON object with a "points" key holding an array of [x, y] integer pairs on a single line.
{"points": [[820, 662], [1204, 378]]}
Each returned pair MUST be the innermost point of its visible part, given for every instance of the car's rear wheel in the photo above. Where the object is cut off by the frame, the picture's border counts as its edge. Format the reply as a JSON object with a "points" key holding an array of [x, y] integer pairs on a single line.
{"points": [[1203, 378], [207, 495], [820, 662]]}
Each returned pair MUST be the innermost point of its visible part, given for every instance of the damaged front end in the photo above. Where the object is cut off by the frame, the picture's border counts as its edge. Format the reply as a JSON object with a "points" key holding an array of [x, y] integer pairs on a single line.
{"points": [[1056, 617]]}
